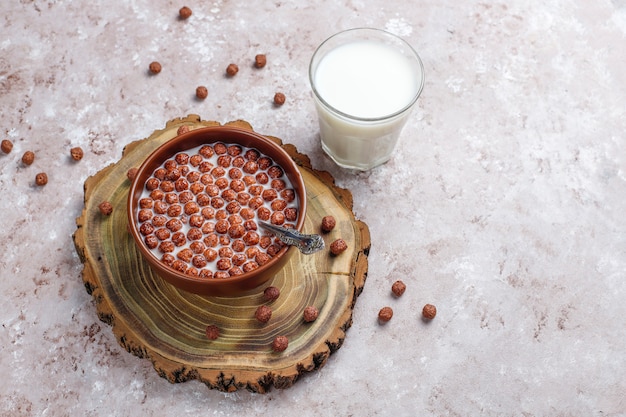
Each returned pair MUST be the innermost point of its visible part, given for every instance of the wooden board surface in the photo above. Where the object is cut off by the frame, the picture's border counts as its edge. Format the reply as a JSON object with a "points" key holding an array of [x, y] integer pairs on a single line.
{"points": [[154, 320]]}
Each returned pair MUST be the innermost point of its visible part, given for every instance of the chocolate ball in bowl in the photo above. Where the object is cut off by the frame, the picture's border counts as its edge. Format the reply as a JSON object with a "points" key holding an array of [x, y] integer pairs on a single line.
{"points": [[195, 204]]}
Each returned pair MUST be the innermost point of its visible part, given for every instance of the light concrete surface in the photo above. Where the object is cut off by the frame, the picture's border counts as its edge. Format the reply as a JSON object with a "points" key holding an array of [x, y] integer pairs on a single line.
{"points": [[504, 204]]}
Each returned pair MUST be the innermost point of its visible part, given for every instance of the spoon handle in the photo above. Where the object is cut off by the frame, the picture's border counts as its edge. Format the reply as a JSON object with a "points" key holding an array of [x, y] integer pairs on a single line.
{"points": [[307, 244]]}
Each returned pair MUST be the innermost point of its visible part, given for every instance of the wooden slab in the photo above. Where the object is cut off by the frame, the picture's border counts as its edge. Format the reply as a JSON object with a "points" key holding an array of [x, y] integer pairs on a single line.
{"points": [[154, 320]]}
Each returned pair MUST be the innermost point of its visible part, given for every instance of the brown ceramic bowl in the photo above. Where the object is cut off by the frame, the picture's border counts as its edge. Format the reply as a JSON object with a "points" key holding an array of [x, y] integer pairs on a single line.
{"points": [[232, 285]]}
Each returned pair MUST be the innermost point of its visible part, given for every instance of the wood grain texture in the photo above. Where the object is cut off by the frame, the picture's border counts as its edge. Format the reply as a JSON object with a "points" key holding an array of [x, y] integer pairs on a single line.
{"points": [[154, 320]]}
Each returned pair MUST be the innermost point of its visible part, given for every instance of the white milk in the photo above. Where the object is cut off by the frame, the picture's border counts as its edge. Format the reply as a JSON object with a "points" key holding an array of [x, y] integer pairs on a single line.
{"points": [[185, 218], [366, 79], [364, 91]]}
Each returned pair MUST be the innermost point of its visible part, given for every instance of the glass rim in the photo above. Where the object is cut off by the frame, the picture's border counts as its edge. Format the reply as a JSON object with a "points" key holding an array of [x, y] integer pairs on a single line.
{"points": [[368, 119]]}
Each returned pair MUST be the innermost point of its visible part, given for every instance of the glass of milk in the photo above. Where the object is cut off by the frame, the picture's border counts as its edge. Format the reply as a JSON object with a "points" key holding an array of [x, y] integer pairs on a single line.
{"points": [[365, 83]]}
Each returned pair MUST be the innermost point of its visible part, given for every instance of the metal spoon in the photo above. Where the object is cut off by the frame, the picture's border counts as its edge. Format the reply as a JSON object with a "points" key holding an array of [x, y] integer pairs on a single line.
{"points": [[307, 244]]}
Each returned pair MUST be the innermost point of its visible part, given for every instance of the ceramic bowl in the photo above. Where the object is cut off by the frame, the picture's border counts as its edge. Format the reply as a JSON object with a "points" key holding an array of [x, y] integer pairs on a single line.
{"points": [[190, 141]]}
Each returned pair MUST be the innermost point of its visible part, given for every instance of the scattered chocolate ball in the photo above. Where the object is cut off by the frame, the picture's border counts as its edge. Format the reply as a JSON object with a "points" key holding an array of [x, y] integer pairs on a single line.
{"points": [[398, 288], [202, 92], [232, 70], [154, 67], [338, 247], [280, 343], [6, 146], [41, 179], [28, 158], [328, 224], [212, 332], [77, 153], [183, 129], [260, 60], [184, 12], [106, 208], [429, 311], [385, 314], [271, 293], [279, 99], [310, 314], [263, 314], [132, 173]]}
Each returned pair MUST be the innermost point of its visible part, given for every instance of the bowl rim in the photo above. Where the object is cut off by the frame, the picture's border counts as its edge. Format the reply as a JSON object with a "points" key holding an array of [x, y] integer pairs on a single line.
{"points": [[190, 140]]}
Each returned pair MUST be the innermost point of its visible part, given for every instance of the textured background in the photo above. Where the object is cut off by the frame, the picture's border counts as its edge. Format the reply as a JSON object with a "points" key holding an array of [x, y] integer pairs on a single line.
{"points": [[503, 205]]}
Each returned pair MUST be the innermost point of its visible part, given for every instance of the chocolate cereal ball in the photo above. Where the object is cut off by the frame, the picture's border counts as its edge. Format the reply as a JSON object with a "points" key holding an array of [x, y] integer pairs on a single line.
{"points": [[77, 153], [263, 314], [202, 92], [6, 146], [429, 311], [184, 12], [271, 293], [310, 314], [28, 158], [338, 246], [154, 67], [106, 208], [232, 70], [328, 224], [279, 99], [260, 60], [184, 128], [41, 179], [398, 288], [212, 332], [280, 343], [385, 314], [132, 173]]}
